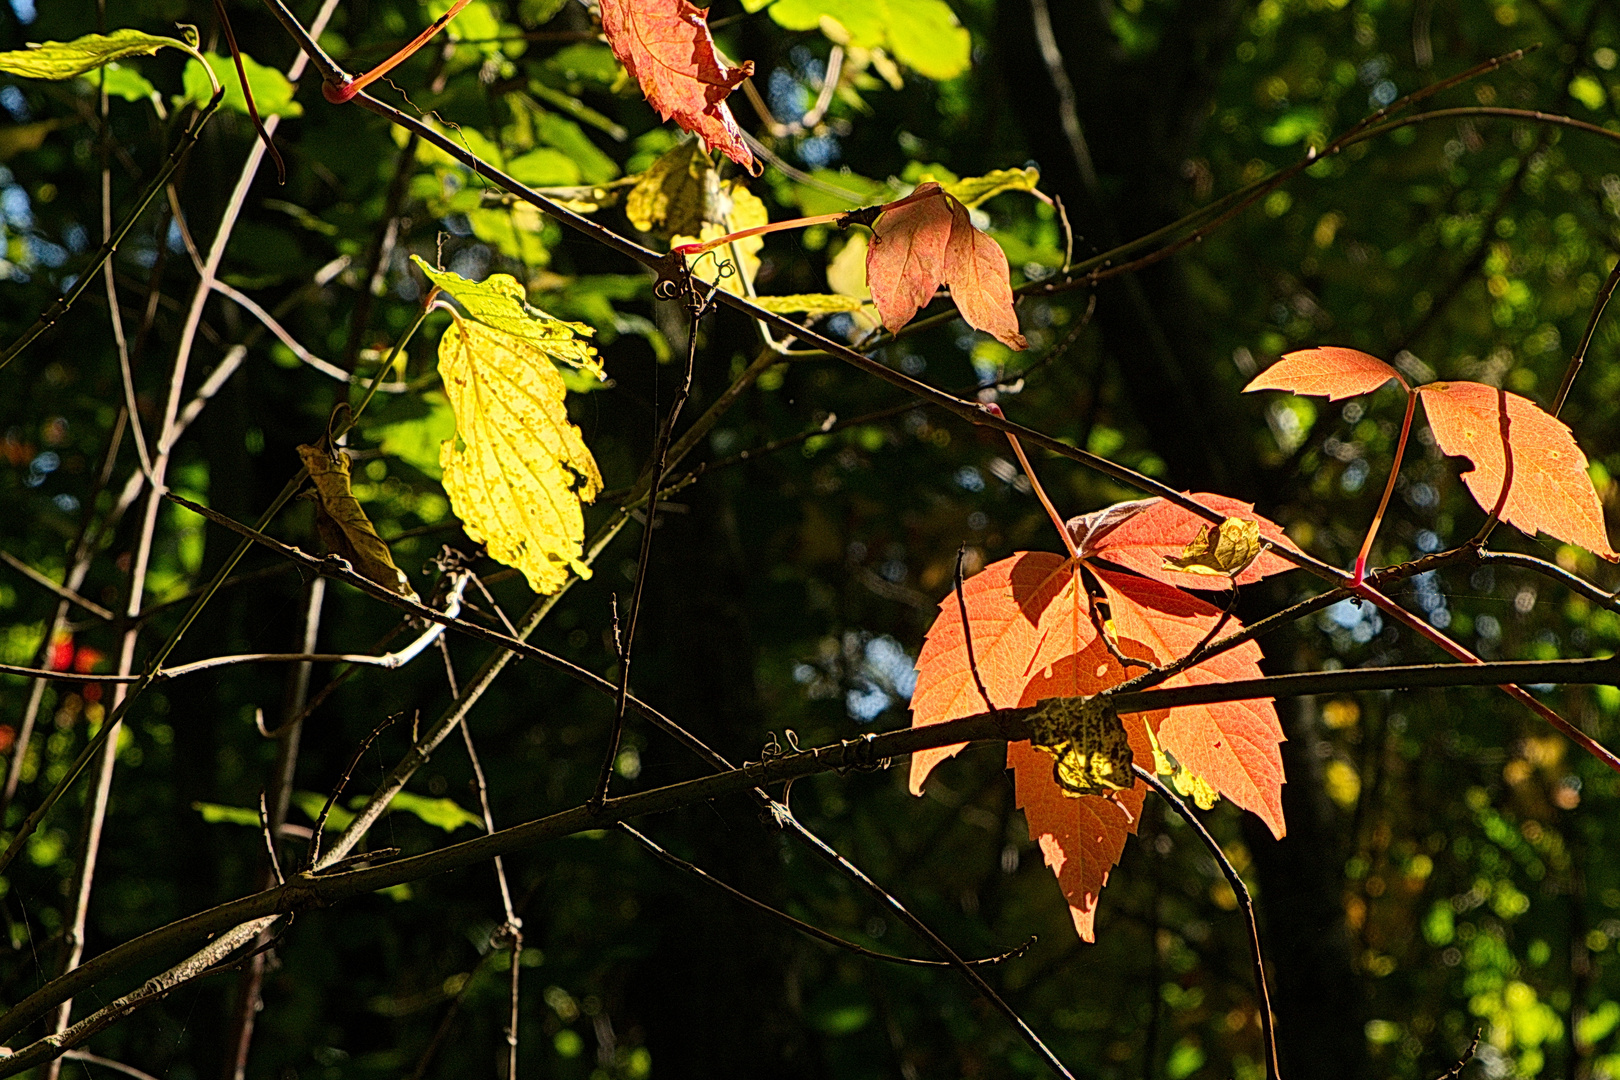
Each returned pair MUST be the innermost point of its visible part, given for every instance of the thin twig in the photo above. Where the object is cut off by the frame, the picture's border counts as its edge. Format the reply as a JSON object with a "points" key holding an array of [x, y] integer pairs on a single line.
{"points": [[1233, 878], [799, 924], [313, 860], [70, 595]]}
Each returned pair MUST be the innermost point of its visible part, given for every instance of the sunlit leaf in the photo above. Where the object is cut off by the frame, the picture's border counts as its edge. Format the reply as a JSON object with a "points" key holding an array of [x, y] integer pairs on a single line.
{"points": [[973, 190], [814, 303], [1329, 371], [66, 59], [272, 93], [500, 302], [670, 197]]}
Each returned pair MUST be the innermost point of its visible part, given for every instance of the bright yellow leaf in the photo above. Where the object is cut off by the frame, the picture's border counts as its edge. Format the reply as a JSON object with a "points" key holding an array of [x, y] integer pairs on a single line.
{"points": [[517, 470]]}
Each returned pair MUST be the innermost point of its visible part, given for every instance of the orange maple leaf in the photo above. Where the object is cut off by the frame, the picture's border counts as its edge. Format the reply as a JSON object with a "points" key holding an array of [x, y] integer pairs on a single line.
{"points": [[1155, 530], [1033, 636], [1548, 491], [666, 45], [928, 239], [1330, 371], [1080, 839]]}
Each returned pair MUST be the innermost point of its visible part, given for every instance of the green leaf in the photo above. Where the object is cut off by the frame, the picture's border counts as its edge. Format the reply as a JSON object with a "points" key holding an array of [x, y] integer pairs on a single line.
{"points": [[595, 167], [583, 62], [67, 59], [818, 303], [443, 814], [215, 814], [974, 190], [416, 441], [545, 167], [310, 802], [25, 138], [272, 93], [925, 36], [125, 82]]}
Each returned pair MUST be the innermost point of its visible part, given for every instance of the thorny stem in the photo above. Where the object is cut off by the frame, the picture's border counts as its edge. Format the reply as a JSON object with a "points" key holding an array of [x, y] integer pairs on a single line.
{"points": [[1360, 573], [1267, 1035]]}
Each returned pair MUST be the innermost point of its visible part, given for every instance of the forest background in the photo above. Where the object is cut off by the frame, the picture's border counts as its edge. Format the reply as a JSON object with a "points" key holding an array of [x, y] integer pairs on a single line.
{"points": [[1444, 870]]}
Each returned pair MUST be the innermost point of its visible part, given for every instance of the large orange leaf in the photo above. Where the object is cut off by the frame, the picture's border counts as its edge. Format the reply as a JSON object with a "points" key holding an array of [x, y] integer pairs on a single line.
{"points": [[1080, 838], [928, 239], [1330, 371], [1156, 530], [666, 45], [1022, 616], [1234, 745], [1549, 490]]}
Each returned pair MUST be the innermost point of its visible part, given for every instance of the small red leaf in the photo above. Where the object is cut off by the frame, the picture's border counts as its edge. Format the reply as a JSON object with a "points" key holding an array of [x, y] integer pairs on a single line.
{"points": [[1155, 530], [1234, 745], [1549, 490], [1329, 371], [905, 262], [1019, 610], [666, 45], [1080, 839], [976, 270]]}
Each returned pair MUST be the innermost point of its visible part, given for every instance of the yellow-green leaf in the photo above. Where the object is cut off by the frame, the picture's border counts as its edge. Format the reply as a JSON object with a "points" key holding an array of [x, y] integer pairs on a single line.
{"points": [[973, 190], [500, 302], [670, 197], [1225, 551], [517, 470], [815, 303], [343, 525], [67, 59]]}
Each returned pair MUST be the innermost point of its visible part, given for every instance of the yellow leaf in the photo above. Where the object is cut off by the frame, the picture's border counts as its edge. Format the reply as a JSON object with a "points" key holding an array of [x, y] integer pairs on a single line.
{"points": [[1089, 742], [816, 303], [343, 525], [1227, 550], [499, 302], [736, 209], [517, 470]]}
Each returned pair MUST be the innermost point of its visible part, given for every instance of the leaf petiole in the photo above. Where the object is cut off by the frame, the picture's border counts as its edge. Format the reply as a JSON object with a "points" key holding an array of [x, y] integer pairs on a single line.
{"points": [[1389, 489], [338, 93], [700, 247], [1040, 493]]}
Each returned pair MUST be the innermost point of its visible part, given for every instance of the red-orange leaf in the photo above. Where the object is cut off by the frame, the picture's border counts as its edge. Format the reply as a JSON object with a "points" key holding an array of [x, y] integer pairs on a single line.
{"points": [[905, 262], [666, 45], [1234, 745], [1549, 490], [1155, 530], [1080, 839], [976, 269], [1022, 616], [1329, 371], [928, 239]]}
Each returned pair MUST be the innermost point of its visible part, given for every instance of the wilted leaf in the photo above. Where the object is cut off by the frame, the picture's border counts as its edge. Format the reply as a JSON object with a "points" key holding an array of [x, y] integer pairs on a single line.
{"points": [[500, 302], [1329, 372], [517, 470], [272, 93], [343, 525], [814, 303], [972, 190], [1087, 742], [666, 45], [1549, 490], [1223, 551], [67, 59]]}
